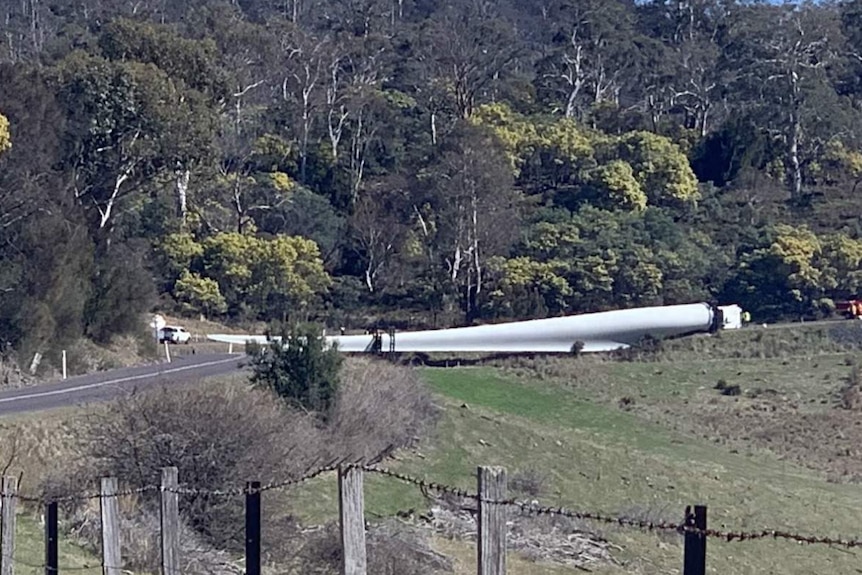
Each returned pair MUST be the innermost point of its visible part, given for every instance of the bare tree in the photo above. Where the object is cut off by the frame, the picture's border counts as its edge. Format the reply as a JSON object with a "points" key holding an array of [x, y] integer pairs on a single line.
{"points": [[469, 49], [477, 211], [378, 228], [784, 69]]}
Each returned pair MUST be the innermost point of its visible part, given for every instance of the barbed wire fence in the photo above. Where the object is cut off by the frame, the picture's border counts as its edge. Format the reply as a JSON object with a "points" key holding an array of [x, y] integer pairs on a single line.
{"points": [[492, 509]]}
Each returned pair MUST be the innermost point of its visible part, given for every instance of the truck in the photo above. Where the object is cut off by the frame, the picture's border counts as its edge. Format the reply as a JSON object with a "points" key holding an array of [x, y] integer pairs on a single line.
{"points": [[851, 309]]}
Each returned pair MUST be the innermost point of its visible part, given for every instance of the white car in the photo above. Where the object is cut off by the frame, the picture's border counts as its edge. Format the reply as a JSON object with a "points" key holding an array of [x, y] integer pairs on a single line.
{"points": [[174, 334]]}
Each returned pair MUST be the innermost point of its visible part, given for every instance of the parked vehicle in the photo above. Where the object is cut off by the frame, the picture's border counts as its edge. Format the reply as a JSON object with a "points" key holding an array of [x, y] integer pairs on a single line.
{"points": [[851, 309], [174, 334]]}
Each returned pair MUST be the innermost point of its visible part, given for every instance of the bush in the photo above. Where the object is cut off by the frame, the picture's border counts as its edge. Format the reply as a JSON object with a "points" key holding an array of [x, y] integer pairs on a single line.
{"points": [[380, 406], [218, 436], [304, 372], [221, 435]]}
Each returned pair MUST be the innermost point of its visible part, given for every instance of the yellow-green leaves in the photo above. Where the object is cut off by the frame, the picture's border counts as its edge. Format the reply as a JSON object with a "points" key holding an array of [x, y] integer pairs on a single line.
{"points": [[243, 273], [5, 136], [178, 251], [517, 133], [199, 294], [616, 186], [624, 172], [288, 268], [839, 160], [523, 276], [796, 249], [660, 167]]}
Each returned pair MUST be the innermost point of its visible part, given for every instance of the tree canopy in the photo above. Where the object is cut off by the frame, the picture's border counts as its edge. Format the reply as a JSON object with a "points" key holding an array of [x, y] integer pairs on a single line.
{"points": [[420, 163]]}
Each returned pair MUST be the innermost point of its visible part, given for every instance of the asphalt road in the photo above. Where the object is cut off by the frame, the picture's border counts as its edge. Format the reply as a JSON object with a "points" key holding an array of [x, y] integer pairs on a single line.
{"points": [[107, 385]]}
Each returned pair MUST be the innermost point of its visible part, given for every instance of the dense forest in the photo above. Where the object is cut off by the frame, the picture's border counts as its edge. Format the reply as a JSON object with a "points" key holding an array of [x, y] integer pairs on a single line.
{"points": [[423, 162]]}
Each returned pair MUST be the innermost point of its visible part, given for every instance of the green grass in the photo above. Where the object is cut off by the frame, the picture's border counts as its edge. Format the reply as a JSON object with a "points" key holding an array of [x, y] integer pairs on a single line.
{"points": [[598, 458], [30, 551], [562, 416]]}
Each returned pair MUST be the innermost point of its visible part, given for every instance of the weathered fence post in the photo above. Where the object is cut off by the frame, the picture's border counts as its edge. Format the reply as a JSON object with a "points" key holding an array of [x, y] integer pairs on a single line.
{"points": [[694, 555], [7, 525], [170, 522], [252, 528], [492, 521], [351, 506], [52, 535], [109, 506]]}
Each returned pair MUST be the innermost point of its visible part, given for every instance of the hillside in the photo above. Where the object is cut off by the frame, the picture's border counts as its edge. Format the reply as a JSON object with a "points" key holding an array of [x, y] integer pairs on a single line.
{"points": [[410, 163], [645, 438]]}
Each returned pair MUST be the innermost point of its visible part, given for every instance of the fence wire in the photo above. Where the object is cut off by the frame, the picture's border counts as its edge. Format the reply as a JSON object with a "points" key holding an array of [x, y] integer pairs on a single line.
{"points": [[529, 508]]}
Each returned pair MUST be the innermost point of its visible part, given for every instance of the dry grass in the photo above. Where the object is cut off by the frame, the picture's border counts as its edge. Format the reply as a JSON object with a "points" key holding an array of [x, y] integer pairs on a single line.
{"points": [[786, 391], [11, 374], [219, 434], [30, 447], [200, 327], [393, 549]]}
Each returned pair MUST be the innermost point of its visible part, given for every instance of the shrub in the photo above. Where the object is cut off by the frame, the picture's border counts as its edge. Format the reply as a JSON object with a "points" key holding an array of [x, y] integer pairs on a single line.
{"points": [[380, 406], [221, 435], [218, 436], [304, 371]]}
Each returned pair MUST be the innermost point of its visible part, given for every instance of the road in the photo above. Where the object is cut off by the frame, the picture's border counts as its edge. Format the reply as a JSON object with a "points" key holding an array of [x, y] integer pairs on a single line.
{"points": [[106, 385]]}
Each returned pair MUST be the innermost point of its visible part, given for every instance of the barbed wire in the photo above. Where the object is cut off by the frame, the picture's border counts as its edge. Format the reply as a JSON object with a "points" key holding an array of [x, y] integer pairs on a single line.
{"points": [[86, 495], [530, 508], [239, 491], [181, 490], [686, 526]]}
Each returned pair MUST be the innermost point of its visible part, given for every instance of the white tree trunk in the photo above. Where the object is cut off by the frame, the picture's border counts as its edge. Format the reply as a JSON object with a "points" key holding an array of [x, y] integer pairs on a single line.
{"points": [[182, 183]]}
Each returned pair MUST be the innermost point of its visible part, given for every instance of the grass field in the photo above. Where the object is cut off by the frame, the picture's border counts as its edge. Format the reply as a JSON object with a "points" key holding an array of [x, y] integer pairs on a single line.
{"points": [[642, 439]]}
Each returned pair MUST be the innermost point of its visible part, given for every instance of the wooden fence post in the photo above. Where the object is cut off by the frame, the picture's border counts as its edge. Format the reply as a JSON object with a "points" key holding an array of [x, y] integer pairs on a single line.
{"points": [[170, 522], [7, 525], [109, 506], [351, 506], [52, 535], [694, 555], [492, 521], [252, 528]]}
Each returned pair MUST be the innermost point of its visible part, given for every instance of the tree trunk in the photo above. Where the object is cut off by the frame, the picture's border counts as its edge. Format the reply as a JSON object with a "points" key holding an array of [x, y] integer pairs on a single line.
{"points": [[182, 183], [794, 137]]}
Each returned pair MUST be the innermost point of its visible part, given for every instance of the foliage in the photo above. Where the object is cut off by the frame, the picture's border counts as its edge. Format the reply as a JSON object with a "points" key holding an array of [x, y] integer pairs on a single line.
{"points": [[616, 185], [5, 137], [632, 151], [199, 294], [660, 167], [213, 434], [380, 406], [301, 368]]}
